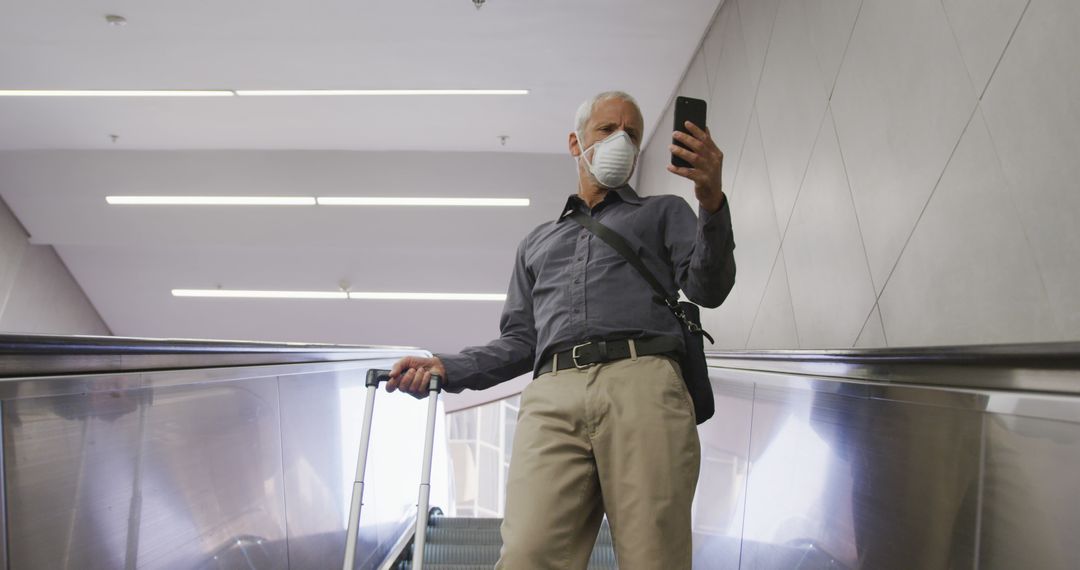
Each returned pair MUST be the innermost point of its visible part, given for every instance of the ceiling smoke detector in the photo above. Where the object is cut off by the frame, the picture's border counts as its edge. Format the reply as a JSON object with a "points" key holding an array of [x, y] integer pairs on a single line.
{"points": [[478, 3]]}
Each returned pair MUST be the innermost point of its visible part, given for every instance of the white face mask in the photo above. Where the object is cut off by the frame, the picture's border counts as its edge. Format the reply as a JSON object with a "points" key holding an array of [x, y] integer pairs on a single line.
{"points": [[613, 159]]}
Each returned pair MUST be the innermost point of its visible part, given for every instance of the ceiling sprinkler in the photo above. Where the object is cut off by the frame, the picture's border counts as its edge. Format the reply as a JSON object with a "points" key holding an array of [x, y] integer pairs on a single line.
{"points": [[478, 3]]}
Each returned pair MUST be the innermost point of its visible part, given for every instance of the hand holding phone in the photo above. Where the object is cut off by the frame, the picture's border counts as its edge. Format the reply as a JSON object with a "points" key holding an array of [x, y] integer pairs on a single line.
{"points": [[687, 109], [694, 155]]}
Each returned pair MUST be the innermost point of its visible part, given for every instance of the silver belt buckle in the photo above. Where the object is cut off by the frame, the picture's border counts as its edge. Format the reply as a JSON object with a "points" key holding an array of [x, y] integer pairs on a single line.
{"points": [[574, 355]]}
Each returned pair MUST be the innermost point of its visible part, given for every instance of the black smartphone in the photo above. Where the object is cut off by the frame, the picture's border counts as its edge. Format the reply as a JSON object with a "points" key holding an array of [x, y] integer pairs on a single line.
{"points": [[687, 109]]}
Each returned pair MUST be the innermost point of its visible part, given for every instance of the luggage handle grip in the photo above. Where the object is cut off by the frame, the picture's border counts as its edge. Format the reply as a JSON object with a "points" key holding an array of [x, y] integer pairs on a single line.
{"points": [[377, 376]]}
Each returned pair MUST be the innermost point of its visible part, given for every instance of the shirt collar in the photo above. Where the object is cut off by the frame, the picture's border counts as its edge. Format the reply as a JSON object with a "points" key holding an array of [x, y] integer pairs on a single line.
{"points": [[625, 193]]}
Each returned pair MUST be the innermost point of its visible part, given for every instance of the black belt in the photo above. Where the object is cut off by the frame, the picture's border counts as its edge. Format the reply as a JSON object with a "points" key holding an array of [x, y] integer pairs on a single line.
{"points": [[597, 351]]}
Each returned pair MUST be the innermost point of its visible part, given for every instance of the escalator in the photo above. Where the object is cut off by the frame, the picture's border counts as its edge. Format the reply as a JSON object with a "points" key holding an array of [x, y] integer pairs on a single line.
{"points": [[474, 543], [143, 453]]}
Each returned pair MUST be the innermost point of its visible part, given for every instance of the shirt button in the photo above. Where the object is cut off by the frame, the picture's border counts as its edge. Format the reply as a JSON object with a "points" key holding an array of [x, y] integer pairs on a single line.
{"points": [[584, 237], [577, 280], [575, 311], [580, 258]]}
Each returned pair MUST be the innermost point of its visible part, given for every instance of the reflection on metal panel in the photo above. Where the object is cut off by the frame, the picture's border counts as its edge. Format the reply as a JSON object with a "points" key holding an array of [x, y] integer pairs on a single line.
{"points": [[252, 473], [721, 490], [4, 563], [1031, 505], [858, 482], [146, 478], [861, 475], [321, 419]]}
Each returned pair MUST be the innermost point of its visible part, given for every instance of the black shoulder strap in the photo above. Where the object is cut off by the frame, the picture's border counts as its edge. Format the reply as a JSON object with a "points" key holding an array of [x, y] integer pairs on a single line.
{"points": [[619, 244]]}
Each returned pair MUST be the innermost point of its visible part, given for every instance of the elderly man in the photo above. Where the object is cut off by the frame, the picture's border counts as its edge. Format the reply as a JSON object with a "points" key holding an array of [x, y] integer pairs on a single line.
{"points": [[608, 431]]}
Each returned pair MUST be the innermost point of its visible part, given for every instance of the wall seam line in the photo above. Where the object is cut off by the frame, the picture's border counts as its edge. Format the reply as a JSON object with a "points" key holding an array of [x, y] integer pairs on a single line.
{"points": [[926, 204]]}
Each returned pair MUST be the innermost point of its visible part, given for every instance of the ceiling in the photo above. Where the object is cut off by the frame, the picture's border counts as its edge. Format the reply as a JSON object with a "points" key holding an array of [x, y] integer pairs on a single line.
{"points": [[561, 50], [57, 162]]}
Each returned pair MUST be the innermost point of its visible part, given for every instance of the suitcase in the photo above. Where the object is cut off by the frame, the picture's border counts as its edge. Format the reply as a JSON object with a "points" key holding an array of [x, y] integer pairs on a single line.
{"points": [[374, 378]]}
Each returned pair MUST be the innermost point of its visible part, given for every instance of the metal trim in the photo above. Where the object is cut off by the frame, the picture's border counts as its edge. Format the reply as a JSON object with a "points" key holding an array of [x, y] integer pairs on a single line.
{"points": [[1048, 367], [397, 551], [1029, 404], [42, 386], [47, 355], [4, 551]]}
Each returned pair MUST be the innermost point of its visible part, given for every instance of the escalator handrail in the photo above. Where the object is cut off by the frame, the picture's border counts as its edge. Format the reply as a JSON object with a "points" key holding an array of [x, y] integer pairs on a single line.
{"points": [[29, 356], [1036, 367]]}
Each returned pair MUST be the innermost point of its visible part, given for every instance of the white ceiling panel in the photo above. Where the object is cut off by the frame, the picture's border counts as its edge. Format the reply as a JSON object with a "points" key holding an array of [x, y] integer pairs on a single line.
{"points": [[561, 51]]}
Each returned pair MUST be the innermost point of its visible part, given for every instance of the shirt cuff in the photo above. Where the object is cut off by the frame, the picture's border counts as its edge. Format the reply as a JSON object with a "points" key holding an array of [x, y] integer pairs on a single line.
{"points": [[458, 367], [717, 221]]}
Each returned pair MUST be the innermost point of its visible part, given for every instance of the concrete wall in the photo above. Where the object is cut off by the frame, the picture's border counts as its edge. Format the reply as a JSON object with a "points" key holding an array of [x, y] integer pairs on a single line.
{"points": [[899, 173], [37, 294]]}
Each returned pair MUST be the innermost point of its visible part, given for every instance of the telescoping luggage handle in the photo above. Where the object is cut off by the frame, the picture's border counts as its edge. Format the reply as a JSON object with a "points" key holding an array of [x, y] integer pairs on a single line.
{"points": [[374, 378]]}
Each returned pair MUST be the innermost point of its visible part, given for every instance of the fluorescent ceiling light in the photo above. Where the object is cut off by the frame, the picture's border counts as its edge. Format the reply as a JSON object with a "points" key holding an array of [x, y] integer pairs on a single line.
{"points": [[211, 200], [428, 296], [387, 201], [113, 93], [355, 92], [235, 294], [250, 294], [248, 92], [307, 201]]}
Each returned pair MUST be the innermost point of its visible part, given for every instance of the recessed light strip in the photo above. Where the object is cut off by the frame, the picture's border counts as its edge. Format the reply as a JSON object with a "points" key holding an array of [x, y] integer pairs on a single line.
{"points": [[307, 201], [250, 92], [428, 296], [251, 294], [240, 294], [210, 200], [373, 92], [113, 93], [388, 201]]}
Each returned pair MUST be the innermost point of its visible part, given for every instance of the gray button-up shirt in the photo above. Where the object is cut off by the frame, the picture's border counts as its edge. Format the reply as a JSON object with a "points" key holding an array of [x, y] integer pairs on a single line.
{"points": [[568, 286]]}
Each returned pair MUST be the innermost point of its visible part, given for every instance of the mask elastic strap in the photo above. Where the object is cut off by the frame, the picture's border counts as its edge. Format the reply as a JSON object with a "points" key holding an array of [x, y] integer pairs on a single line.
{"points": [[584, 151]]}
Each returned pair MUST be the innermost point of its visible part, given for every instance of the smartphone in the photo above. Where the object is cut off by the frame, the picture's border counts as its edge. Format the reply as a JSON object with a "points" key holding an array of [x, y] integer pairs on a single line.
{"points": [[687, 109]]}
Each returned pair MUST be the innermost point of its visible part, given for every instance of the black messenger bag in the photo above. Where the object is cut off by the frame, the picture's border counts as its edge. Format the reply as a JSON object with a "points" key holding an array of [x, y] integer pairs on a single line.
{"points": [[695, 371]]}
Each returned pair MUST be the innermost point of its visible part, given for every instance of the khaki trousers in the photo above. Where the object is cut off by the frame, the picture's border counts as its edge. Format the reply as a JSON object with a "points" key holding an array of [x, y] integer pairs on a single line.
{"points": [[619, 438]]}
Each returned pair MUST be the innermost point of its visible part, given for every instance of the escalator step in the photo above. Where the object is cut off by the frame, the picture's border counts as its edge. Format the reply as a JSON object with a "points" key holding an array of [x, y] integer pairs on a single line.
{"points": [[462, 553], [407, 565], [444, 535], [454, 522], [451, 535], [474, 544]]}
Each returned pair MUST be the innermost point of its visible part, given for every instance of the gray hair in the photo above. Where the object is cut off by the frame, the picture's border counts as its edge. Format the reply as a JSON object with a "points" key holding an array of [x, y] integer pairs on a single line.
{"points": [[584, 112]]}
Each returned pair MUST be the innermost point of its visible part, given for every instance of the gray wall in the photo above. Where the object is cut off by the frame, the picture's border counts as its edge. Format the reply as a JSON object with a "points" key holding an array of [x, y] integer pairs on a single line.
{"points": [[37, 294], [899, 173]]}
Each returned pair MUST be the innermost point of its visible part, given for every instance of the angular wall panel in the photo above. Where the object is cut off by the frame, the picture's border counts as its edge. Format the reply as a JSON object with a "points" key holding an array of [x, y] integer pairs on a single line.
{"points": [[873, 333], [829, 23], [774, 324], [757, 18], [968, 275], [831, 290], [1032, 109], [732, 98], [983, 29], [12, 246], [901, 101], [790, 104], [757, 240], [905, 80]]}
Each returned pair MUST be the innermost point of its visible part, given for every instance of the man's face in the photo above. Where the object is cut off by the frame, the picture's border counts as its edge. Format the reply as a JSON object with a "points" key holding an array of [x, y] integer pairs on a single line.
{"points": [[609, 116]]}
